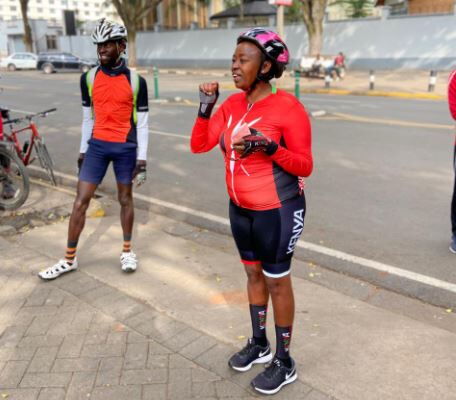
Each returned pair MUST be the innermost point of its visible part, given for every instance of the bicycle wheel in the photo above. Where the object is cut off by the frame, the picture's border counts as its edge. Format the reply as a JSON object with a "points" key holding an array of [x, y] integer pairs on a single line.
{"points": [[45, 159], [14, 181]]}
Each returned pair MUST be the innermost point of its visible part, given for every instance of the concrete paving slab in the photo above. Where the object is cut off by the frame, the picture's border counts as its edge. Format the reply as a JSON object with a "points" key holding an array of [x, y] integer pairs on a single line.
{"points": [[344, 347]]}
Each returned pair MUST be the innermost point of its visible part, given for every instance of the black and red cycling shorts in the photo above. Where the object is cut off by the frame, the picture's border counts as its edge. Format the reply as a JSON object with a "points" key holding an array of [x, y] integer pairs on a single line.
{"points": [[269, 237]]}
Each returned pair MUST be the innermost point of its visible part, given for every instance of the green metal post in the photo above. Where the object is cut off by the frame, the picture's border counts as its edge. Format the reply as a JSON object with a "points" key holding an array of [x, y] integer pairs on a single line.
{"points": [[156, 95], [297, 89]]}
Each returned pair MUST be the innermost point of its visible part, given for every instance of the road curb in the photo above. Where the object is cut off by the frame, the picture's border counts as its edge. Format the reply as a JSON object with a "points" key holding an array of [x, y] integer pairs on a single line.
{"points": [[345, 92], [375, 93], [401, 284], [186, 72], [340, 92]]}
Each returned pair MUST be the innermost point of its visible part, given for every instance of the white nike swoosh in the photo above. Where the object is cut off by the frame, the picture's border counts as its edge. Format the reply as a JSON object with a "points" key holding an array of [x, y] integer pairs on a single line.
{"points": [[290, 374], [263, 353]]}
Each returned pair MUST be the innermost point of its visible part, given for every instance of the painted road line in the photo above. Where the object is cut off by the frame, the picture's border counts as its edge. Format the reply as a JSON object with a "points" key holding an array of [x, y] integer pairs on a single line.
{"points": [[169, 134], [340, 255], [400, 95], [378, 266], [21, 111], [367, 120]]}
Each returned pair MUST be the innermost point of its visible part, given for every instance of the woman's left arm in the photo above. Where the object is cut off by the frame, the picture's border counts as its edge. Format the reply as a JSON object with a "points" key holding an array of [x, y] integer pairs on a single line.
{"points": [[296, 156]]}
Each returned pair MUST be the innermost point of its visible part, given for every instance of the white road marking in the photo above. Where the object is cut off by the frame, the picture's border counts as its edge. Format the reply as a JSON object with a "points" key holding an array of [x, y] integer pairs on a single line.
{"points": [[21, 111], [340, 255], [378, 266], [161, 133]]}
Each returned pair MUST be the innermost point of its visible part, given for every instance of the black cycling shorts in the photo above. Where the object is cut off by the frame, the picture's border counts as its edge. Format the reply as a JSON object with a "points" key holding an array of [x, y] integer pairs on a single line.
{"points": [[269, 237]]}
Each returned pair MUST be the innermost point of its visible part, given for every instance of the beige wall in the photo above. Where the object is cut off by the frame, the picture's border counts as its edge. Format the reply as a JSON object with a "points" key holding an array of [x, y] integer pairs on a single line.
{"points": [[430, 6], [183, 13]]}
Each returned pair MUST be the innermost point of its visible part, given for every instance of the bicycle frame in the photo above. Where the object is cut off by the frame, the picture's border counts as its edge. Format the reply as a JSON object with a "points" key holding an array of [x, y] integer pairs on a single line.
{"points": [[12, 137]]}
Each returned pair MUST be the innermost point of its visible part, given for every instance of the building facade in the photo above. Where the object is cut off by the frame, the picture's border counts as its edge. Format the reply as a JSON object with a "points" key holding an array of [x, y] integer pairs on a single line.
{"points": [[182, 14], [52, 10], [417, 7]]}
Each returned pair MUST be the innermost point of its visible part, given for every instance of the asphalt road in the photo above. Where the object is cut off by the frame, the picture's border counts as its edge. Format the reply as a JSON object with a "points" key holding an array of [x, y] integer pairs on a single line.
{"points": [[380, 190]]}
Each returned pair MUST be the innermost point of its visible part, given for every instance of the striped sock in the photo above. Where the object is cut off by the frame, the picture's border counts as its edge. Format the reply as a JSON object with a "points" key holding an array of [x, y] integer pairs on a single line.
{"points": [[70, 253], [126, 246], [127, 243]]}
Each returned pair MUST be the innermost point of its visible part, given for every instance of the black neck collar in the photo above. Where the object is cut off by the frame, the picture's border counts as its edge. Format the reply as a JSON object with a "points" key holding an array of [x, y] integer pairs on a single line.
{"points": [[120, 68]]}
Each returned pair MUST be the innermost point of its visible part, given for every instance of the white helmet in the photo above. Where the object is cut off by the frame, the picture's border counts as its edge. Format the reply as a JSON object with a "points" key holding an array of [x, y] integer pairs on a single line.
{"points": [[108, 30]]}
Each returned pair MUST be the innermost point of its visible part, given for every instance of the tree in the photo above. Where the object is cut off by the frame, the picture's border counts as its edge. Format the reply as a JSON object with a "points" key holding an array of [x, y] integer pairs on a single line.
{"points": [[293, 13], [28, 41], [132, 12], [313, 13], [356, 8]]}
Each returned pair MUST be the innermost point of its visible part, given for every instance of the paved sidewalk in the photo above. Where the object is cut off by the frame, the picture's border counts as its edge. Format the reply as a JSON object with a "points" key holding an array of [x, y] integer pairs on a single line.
{"points": [[78, 338], [166, 331]]}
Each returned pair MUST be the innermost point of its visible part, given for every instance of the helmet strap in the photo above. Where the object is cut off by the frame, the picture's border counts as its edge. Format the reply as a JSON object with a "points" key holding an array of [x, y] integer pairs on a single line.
{"points": [[260, 77], [118, 52]]}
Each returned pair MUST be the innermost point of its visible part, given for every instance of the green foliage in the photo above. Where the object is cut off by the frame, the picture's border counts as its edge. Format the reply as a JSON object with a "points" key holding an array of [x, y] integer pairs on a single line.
{"points": [[293, 13], [356, 8], [231, 3]]}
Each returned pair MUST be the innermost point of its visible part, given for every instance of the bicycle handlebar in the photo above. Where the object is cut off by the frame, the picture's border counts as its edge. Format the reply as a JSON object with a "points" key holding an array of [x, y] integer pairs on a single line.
{"points": [[30, 117]]}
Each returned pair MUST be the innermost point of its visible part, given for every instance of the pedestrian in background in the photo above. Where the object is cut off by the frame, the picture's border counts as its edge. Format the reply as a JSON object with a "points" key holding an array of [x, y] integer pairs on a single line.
{"points": [[339, 65], [452, 104]]}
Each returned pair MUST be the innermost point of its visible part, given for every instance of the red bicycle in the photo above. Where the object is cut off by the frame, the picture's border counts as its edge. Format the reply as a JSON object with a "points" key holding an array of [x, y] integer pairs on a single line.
{"points": [[24, 150]]}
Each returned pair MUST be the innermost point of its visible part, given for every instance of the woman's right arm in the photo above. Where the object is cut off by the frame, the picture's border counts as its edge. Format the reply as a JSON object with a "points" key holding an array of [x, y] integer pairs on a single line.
{"points": [[206, 130]]}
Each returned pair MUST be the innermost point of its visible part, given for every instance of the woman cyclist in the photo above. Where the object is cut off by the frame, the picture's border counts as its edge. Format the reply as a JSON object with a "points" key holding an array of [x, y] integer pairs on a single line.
{"points": [[265, 137]]}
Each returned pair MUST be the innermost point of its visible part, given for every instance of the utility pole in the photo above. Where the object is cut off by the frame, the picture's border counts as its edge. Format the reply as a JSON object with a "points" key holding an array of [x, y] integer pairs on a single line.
{"points": [[280, 22], [178, 15], [280, 18]]}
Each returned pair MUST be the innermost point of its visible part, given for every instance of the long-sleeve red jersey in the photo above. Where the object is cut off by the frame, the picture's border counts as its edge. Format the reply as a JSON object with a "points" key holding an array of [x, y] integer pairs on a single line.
{"points": [[259, 181]]}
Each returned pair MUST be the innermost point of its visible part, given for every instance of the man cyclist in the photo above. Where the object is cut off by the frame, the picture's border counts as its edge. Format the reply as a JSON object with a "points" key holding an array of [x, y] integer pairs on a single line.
{"points": [[114, 129]]}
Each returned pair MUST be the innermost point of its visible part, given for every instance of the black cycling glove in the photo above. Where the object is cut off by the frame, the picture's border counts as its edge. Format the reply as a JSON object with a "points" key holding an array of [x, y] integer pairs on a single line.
{"points": [[80, 161], [207, 103], [257, 142], [140, 174]]}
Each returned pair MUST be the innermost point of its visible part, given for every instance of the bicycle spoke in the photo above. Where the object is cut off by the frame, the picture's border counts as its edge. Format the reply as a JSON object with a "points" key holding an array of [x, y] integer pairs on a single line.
{"points": [[45, 160]]}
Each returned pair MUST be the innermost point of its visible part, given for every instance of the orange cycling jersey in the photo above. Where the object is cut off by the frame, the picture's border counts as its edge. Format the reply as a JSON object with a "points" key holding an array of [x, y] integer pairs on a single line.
{"points": [[113, 108], [260, 182], [112, 102]]}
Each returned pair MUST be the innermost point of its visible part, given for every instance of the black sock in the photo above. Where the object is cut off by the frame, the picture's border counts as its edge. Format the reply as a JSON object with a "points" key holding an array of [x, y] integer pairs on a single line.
{"points": [[283, 340], [258, 317]]}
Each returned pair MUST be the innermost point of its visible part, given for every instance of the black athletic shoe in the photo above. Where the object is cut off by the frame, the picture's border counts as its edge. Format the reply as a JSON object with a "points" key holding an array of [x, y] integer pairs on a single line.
{"points": [[274, 377], [249, 355]]}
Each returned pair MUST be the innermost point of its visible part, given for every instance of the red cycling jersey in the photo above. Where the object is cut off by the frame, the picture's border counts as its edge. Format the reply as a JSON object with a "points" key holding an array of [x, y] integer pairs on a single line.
{"points": [[259, 181]]}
